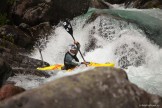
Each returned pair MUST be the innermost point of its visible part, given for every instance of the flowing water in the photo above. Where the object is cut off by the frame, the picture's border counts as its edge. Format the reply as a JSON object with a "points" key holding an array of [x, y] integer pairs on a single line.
{"points": [[131, 42]]}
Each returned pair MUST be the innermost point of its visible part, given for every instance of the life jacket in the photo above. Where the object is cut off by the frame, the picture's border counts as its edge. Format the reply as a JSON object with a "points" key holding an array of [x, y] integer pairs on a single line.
{"points": [[69, 66]]}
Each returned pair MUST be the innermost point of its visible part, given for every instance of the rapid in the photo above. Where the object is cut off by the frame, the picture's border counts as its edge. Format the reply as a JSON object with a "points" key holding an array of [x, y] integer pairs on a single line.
{"points": [[107, 39]]}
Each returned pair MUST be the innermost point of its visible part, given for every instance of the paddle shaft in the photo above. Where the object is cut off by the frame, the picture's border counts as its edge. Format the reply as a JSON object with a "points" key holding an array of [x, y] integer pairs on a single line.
{"points": [[79, 50]]}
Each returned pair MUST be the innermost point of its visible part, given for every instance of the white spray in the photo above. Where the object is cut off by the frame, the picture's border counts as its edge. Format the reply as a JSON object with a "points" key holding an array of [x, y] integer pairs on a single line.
{"points": [[110, 40]]}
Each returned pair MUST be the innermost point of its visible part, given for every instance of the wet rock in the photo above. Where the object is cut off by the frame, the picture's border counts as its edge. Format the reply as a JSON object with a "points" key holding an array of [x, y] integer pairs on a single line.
{"points": [[30, 72], [22, 64], [41, 31], [34, 12], [24, 27], [115, 1], [6, 46], [18, 58], [5, 71], [9, 90], [144, 4], [98, 4], [14, 35], [141, 4], [5, 7], [98, 88], [150, 4], [99, 13], [22, 61]]}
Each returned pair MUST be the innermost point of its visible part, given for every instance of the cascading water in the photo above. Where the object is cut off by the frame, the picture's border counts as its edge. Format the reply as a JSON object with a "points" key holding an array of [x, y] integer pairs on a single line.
{"points": [[109, 39]]}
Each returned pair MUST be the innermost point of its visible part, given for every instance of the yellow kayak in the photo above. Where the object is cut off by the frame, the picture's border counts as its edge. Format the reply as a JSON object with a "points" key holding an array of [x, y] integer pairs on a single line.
{"points": [[91, 64]]}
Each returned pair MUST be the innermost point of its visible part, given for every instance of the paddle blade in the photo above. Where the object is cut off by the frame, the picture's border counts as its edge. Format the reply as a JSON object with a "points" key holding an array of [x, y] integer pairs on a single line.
{"points": [[68, 27]]}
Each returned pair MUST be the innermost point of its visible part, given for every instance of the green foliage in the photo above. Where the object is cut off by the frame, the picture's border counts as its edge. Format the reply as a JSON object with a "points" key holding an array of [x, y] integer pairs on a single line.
{"points": [[11, 2], [3, 19], [9, 38]]}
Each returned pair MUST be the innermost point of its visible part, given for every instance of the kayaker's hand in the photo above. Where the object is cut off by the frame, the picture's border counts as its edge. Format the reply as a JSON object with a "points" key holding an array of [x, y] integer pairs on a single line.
{"points": [[76, 42], [86, 63]]}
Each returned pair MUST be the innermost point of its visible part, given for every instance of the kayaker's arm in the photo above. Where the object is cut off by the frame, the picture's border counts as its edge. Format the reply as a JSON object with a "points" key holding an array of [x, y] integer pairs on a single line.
{"points": [[78, 44], [75, 63]]}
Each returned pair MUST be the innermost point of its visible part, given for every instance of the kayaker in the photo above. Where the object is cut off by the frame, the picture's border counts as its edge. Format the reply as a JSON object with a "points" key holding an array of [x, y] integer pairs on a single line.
{"points": [[70, 60]]}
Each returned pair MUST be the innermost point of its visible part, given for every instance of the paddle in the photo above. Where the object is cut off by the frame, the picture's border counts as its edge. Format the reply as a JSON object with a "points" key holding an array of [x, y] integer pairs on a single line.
{"points": [[69, 29]]}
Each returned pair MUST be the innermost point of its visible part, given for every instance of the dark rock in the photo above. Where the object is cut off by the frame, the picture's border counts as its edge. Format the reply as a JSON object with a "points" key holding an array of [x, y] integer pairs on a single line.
{"points": [[22, 64], [27, 62], [98, 4], [141, 4], [5, 71], [99, 13], [10, 82], [98, 88], [24, 26], [30, 72], [5, 6], [152, 4], [5, 10], [9, 47], [34, 12], [115, 1], [16, 36], [9, 90], [41, 31], [144, 4], [22, 61], [16, 57]]}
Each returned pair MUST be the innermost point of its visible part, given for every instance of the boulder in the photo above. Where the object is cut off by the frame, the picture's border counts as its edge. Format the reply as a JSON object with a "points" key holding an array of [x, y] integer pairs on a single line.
{"points": [[26, 71], [97, 88], [22, 64], [141, 4], [150, 4], [16, 57], [43, 30], [5, 6], [33, 12], [5, 71], [16, 36], [98, 4], [144, 4], [6, 46], [22, 61], [115, 1], [9, 90]]}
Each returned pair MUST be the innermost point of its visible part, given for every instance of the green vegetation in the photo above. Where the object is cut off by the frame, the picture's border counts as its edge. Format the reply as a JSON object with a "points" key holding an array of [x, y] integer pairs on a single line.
{"points": [[11, 2], [3, 19], [9, 38]]}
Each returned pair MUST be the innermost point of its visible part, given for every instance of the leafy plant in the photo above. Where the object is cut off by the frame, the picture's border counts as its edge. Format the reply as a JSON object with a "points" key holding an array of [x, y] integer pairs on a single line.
{"points": [[9, 38], [3, 19], [11, 2]]}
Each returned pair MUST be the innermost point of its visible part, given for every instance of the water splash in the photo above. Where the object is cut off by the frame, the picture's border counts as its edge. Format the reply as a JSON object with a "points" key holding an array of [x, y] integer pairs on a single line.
{"points": [[110, 40], [27, 81]]}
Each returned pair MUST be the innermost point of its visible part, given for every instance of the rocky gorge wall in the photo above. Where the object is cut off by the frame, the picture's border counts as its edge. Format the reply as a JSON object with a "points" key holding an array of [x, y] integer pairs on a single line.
{"points": [[23, 22]]}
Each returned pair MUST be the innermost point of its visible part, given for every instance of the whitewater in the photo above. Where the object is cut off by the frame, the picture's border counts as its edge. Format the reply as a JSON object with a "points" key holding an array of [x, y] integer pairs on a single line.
{"points": [[105, 40]]}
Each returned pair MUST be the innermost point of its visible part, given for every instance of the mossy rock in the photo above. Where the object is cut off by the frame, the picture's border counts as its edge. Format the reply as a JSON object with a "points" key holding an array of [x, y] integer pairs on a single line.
{"points": [[152, 4], [3, 19]]}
